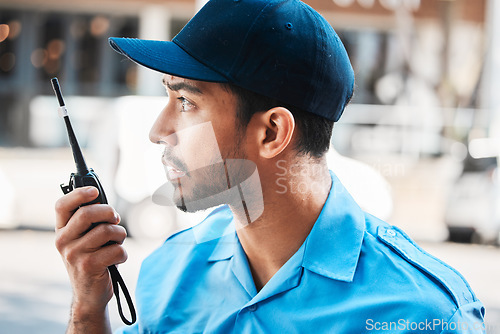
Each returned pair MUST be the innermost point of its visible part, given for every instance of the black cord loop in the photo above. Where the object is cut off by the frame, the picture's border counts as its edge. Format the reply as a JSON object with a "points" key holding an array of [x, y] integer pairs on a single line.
{"points": [[118, 282]]}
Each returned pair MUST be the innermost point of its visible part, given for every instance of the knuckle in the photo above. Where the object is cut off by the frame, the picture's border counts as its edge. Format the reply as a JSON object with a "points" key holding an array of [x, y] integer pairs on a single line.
{"points": [[86, 263], [122, 231], [122, 255], [110, 213], [106, 229], [113, 215], [82, 214], [59, 243], [71, 256], [98, 212], [59, 206], [119, 233]]}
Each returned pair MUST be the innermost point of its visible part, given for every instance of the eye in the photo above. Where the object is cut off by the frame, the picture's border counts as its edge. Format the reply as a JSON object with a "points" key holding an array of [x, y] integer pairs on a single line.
{"points": [[185, 104]]}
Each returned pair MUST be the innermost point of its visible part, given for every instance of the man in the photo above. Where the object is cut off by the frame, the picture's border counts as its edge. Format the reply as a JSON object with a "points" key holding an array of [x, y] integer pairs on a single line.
{"points": [[264, 81]]}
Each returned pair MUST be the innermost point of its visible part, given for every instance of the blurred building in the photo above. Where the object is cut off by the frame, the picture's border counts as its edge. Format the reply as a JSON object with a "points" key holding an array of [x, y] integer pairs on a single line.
{"points": [[425, 102], [405, 52]]}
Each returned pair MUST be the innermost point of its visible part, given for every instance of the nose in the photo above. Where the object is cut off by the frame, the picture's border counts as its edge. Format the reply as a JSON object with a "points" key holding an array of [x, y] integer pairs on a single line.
{"points": [[163, 129]]}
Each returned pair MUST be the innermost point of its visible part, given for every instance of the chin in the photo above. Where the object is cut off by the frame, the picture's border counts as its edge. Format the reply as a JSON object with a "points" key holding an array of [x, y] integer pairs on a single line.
{"points": [[190, 205], [183, 208]]}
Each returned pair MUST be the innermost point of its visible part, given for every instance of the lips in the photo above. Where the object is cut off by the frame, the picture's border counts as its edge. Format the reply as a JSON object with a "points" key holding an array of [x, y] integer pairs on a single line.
{"points": [[173, 172]]}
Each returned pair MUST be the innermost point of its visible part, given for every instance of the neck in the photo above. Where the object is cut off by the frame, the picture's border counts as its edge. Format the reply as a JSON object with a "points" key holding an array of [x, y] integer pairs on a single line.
{"points": [[294, 195]]}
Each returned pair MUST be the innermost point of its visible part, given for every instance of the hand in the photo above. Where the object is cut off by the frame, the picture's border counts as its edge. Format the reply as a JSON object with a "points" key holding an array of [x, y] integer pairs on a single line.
{"points": [[85, 252]]}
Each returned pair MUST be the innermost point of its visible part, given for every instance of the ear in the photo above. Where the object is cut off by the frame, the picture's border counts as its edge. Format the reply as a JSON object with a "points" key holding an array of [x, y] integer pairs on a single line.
{"points": [[275, 129]]}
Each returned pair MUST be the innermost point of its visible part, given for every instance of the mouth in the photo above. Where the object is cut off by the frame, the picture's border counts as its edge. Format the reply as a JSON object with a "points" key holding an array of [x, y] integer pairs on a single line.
{"points": [[173, 172]]}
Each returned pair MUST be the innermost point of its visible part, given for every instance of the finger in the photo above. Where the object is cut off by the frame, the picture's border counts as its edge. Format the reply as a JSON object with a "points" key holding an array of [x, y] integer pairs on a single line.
{"points": [[97, 261], [102, 235], [86, 217], [69, 203], [111, 255], [79, 249]]}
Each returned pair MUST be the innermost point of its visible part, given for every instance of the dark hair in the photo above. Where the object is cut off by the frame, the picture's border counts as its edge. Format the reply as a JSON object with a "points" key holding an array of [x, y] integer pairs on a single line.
{"points": [[314, 131]]}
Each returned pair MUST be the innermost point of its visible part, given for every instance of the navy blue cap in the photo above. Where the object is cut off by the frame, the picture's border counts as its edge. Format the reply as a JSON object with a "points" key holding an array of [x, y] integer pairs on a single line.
{"points": [[282, 49]]}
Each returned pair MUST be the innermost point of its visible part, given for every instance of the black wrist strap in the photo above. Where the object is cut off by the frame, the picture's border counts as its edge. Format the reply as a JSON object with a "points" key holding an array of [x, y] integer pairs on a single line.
{"points": [[118, 282]]}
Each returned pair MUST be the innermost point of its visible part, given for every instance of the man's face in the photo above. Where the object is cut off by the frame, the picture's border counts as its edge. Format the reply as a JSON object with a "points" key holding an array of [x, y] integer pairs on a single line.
{"points": [[198, 129]]}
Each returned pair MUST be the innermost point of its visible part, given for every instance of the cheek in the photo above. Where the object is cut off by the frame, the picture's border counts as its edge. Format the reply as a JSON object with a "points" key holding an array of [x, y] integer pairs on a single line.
{"points": [[199, 146], [231, 141]]}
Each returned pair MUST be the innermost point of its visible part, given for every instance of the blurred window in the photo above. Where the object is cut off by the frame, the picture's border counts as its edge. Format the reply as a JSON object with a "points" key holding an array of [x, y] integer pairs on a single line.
{"points": [[370, 53], [38, 45], [70, 46], [49, 53], [10, 27]]}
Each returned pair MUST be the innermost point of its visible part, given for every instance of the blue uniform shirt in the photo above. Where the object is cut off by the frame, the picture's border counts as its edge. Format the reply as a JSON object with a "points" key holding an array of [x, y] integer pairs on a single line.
{"points": [[354, 274]]}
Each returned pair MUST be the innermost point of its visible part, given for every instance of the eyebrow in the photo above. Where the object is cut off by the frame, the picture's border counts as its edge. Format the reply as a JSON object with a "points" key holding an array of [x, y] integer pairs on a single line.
{"points": [[182, 86]]}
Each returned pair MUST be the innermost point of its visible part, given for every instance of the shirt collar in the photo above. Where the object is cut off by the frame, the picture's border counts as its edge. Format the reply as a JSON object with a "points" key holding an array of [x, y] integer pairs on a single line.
{"points": [[334, 243], [333, 246]]}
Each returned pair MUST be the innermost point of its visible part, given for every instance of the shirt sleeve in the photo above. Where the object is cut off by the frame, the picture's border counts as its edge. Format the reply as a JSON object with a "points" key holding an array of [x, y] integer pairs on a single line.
{"points": [[468, 319]]}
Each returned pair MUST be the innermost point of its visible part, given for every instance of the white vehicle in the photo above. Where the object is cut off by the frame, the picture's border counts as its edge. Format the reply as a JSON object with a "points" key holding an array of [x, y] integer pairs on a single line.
{"points": [[473, 210], [7, 196]]}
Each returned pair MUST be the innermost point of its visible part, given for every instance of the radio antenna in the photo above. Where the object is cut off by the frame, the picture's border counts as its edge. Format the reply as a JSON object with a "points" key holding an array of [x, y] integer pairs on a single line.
{"points": [[81, 166]]}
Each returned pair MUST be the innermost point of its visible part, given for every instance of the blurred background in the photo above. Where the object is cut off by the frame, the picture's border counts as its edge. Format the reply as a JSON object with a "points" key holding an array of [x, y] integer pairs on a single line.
{"points": [[418, 146]]}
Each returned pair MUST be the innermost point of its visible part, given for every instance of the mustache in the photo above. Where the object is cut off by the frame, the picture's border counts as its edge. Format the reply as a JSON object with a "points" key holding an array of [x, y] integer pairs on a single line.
{"points": [[175, 161]]}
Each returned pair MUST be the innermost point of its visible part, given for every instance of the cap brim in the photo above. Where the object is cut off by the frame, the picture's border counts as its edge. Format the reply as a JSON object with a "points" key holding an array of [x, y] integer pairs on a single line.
{"points": [[165, 57]]}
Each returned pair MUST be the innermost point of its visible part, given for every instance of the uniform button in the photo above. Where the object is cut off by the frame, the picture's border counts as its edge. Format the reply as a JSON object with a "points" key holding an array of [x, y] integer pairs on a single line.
{"points": [[391, 233], [252, 308]]}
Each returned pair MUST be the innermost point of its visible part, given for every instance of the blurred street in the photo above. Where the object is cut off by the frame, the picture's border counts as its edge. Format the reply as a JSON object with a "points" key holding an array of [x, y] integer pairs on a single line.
{"points": [[35, 293]]}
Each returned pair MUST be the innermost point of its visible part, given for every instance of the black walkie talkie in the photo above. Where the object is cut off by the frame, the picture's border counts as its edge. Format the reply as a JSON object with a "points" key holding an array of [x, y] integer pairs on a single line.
{"points": [[85, 176]]}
